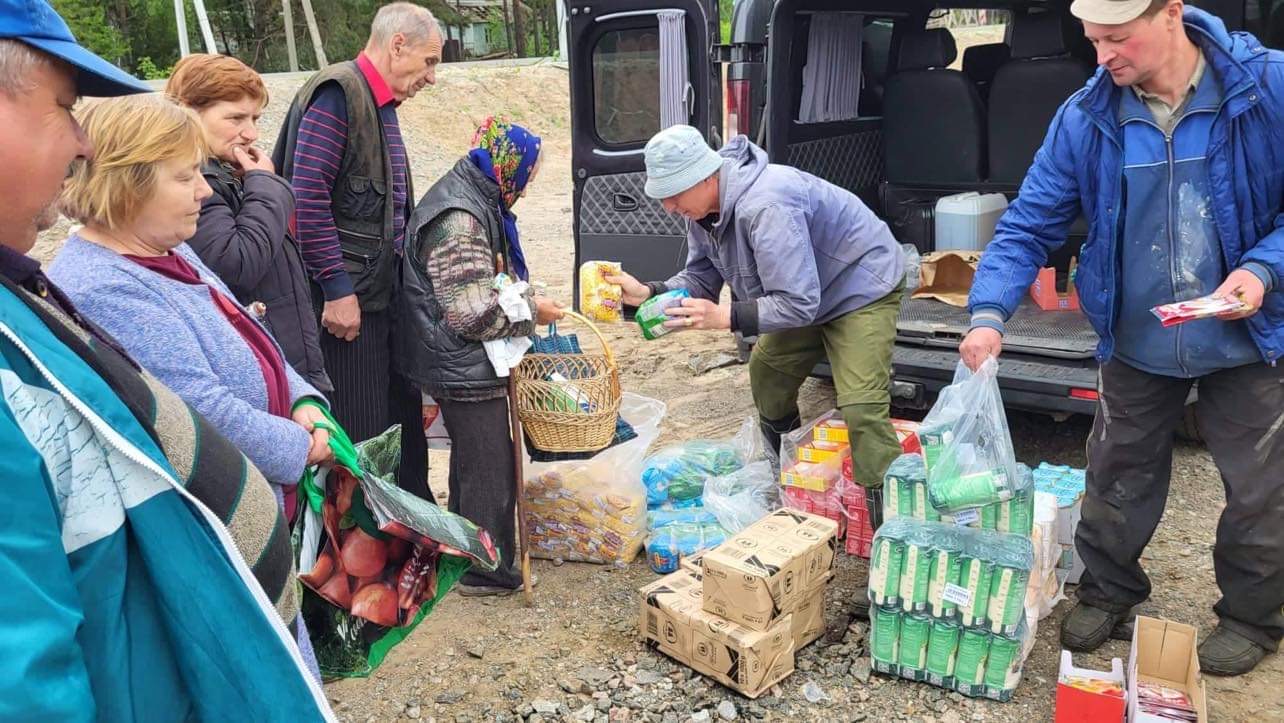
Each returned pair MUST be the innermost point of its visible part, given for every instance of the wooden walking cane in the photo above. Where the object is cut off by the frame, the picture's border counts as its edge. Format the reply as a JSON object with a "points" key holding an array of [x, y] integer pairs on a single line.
{"points": [[528, 591]]}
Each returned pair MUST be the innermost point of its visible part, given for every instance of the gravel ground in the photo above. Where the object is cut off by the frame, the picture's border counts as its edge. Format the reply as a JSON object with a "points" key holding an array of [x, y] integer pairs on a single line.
{"points": [[575, 655]]}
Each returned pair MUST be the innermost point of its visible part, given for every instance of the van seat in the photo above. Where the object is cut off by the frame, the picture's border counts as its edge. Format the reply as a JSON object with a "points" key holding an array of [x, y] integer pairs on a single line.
{"points": [[981, 62]]}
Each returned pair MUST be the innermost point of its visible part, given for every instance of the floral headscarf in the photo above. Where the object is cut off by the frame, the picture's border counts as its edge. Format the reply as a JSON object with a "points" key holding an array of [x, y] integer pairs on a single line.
{"points": [[506, 153]]}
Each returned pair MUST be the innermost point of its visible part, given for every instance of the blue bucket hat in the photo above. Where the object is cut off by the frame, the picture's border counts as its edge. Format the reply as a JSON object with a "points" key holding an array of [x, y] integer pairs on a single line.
{"points": [[37, 24], [677, 158]]}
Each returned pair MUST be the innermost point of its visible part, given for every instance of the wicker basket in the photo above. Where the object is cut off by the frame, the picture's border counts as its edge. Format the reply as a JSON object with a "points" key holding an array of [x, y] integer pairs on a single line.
{"points": [[553, 412]]}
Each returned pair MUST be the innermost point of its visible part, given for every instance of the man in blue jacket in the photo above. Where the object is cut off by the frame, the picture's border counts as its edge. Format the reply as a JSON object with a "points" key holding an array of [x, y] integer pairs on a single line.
{"points": [[1174, 152], [814, 272]]}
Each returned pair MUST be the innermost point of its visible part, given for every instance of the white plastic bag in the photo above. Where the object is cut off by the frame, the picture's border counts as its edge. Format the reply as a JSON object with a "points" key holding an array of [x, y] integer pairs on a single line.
{"points": [[594, 510], [742, 497], [966, 443]]}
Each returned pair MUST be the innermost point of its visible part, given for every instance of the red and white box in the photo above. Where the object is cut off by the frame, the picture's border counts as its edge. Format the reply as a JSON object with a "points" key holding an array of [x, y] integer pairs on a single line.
{"points": [[1090, 696]]}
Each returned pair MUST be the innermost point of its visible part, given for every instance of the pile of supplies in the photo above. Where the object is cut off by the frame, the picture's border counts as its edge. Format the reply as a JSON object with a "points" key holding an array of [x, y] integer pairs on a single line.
{"points": [[739, 612], [700, 492], [963, 567], [816, 476]]}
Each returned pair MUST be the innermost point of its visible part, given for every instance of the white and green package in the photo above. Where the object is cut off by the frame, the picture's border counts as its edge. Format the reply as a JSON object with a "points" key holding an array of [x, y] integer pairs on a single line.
{"points": [[651, 317]]}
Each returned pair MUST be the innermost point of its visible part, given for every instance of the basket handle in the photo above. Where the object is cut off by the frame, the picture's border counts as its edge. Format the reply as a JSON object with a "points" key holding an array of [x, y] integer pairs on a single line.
{"points": [[610, 357]]}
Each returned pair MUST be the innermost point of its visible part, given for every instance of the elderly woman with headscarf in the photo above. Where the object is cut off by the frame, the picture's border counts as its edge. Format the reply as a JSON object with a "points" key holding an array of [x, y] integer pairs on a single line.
{"points": [[462, 234]]}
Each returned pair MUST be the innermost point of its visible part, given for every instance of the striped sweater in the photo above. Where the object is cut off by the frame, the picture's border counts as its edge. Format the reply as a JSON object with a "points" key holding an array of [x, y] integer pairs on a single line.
{"points": [[322, 140]]}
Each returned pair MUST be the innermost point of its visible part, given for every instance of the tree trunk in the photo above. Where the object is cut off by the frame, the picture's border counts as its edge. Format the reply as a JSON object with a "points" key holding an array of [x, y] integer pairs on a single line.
{"points": [[508, 25], [519, 28]]}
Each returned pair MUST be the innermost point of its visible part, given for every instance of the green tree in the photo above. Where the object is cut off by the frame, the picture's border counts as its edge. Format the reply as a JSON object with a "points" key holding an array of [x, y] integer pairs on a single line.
{"points": [[88, 22]]}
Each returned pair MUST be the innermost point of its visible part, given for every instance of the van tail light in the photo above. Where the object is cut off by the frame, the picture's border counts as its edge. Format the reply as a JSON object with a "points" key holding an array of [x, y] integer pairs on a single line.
{"points": [[738, 109], [1085, 394]]}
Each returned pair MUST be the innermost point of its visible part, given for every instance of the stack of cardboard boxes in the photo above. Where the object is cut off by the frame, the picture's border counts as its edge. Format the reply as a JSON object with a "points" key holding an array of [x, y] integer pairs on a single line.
{"points": [[740, 611]]}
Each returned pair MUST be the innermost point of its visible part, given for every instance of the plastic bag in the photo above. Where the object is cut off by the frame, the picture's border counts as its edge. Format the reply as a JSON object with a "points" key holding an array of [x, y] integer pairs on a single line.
{"points": [[815, 471], [948, 606], [374, 559], [966, 445], [676, 475], [599, 300], [743, 497], [905, 495], [700, 492], [913, 267], [594, 510], [651, 317]]}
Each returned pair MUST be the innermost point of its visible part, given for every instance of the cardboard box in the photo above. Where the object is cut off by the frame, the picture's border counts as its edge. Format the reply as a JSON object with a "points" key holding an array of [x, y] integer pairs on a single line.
{"points": [[767, 568], [809, 615], [827, 453], [810, 476], [907, 435], [831, 430], [1045, 295], [1076, 705], [1163, 652], [673, 622]]}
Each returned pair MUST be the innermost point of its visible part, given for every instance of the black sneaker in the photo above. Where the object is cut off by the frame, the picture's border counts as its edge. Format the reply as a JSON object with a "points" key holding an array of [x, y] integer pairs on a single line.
{"points": [[1226, 652], [1087, 628]]}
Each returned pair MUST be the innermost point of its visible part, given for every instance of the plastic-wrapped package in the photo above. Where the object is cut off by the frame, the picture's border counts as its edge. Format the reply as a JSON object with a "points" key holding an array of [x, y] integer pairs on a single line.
{"points": [[677, 474], [594, 510], [966, 444], [651, 314], [948, 606], [743, 497], [599, 300], [1014, 515], [976, 577], [667, 546]]}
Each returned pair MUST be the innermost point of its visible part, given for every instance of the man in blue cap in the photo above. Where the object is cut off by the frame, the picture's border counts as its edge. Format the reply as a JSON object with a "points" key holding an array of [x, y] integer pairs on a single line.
{"points": [[815, 273], [122, 551]]}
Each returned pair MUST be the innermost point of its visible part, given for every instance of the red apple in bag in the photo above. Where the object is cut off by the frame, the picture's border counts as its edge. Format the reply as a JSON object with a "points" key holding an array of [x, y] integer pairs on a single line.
{"points": [[363, 555], [377, 603]]}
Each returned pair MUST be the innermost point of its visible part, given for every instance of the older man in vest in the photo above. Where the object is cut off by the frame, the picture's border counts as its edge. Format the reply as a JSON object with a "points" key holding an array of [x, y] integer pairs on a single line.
{"points": [[341, 148]]}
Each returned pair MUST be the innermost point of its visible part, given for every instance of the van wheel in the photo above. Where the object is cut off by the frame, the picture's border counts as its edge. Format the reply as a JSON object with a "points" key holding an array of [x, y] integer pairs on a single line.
{"points": [[1188, 430]]}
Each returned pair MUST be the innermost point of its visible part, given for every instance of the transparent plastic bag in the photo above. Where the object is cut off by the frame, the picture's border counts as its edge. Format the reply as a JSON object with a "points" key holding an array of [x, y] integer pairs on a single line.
{"points": [[966, 444], [599, 300], [594, 510], [668, 545], [676, 475], [948, 606], [815, 472], [743, 497], [913, 268]]}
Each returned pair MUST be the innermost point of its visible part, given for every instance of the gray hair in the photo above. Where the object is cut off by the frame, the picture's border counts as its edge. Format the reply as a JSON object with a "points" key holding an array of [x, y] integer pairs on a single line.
{"points": [[18, 63], [413, 21]]}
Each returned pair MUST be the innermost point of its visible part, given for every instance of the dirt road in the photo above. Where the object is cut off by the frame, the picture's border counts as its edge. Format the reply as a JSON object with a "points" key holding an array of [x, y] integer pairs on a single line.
{"points": [[576, 655]]}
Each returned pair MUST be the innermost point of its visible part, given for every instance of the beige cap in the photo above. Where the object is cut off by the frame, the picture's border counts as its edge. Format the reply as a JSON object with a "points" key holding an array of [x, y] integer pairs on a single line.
{"points": [[1108, 12]]}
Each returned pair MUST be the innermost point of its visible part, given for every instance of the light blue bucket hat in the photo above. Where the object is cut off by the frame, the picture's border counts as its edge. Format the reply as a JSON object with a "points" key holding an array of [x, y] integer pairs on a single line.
{"points": [[678, 158]]}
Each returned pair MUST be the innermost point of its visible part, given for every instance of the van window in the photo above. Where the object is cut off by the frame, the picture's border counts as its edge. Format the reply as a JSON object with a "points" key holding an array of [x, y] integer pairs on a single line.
{"points": [[626, 85], [983, 26]]}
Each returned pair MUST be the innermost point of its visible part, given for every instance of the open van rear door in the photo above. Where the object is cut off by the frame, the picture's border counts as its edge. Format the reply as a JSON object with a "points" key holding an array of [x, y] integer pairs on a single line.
{"points": [[636, 66]]}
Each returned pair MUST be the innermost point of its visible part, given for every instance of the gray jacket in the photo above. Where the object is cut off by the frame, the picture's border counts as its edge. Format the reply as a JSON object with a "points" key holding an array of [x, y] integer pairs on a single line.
{"points": [[243, 235], [797, 251]]}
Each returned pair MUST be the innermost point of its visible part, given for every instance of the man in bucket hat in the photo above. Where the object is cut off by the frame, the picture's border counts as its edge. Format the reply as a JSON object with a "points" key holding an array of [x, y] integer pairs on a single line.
{"points": [[127, 519], [814, 272], [1173, 153]]}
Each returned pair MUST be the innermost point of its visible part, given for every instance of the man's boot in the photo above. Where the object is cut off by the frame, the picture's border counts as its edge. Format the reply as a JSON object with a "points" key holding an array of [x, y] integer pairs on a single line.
{"points": [[1087, 628], [774, 429], [1226, 652]]}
